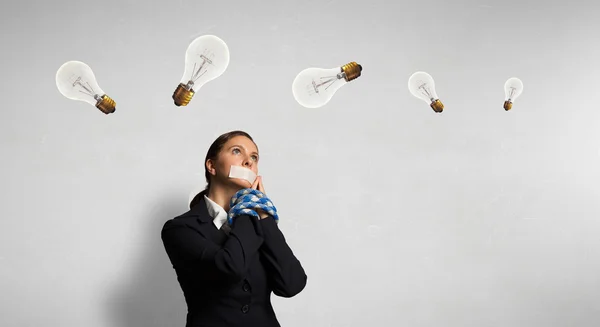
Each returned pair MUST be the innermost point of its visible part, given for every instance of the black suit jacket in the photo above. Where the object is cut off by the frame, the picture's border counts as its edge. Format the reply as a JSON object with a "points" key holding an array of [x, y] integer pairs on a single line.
{"points": [[227, 280]]}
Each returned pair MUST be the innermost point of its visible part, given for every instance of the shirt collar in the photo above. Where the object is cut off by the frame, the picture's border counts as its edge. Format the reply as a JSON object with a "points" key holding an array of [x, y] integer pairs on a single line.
{"points": [[216, 211]]}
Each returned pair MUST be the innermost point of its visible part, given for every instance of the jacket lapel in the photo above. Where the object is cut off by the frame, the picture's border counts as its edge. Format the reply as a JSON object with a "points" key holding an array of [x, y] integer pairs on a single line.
{"points": [[205, 220]]}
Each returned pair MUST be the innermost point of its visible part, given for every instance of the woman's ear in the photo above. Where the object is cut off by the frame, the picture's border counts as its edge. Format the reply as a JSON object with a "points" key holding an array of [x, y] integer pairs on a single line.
{"points": [[210, 166]]}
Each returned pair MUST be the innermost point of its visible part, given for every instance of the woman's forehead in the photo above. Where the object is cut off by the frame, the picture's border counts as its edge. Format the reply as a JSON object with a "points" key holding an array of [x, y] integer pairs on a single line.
{"points": [[243, 142]]}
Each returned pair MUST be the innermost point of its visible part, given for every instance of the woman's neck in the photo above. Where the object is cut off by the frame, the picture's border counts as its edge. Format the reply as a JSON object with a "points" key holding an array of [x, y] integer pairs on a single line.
{"points": [[221, 195]]}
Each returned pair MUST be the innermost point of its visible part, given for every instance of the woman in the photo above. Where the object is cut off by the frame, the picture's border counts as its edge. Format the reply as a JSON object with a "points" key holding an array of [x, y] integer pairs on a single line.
{"points": [[227, 272]]}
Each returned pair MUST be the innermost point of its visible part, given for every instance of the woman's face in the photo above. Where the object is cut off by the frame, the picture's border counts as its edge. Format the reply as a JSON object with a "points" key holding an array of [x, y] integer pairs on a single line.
{"points": [[238, 151]]}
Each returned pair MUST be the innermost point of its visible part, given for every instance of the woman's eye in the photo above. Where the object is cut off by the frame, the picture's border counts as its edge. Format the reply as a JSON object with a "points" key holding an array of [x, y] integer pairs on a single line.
{"points": [[234, 150], [255, 158]]}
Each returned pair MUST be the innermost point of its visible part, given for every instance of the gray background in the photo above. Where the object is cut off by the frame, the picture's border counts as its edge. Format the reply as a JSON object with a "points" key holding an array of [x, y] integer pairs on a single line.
{"points": [[400, 216]]}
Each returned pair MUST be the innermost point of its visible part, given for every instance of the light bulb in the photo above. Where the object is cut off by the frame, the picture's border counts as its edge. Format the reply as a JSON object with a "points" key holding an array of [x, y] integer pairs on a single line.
{"points": [[512, 89], [76, 81], [422, 86], [206, 58], [314, 87]]}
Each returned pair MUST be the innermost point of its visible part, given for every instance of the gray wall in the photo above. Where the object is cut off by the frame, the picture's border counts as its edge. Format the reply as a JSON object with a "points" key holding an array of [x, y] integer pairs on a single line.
{"points": [[401, 216]]}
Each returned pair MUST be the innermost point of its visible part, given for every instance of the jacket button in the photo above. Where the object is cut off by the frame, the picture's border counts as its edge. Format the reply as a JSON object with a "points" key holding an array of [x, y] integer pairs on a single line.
{"points": [[246, 287], [245, 308]]}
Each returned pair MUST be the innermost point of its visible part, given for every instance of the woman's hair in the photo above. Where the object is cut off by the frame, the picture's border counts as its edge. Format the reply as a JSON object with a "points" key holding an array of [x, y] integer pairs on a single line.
{"points": [[213, 153]]}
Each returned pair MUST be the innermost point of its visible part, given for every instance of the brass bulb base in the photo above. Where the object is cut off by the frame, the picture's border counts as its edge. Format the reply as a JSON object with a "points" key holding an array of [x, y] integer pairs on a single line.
{"points": [[437, 106], [106, 104], [182, 96], [507, 105], [352, 71]]}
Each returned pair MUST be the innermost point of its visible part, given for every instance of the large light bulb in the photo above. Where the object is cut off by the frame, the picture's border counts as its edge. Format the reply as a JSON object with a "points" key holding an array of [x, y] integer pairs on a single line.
{"points": [[422, 86], [512, 89], [206, 58], [314, 87], [76, 81]]}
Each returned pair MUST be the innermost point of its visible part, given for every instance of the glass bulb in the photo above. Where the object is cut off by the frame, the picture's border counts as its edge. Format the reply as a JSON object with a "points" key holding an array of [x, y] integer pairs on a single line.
{"points": [[206, 58], [512, 90], [314, 87], [76, 81], [422, 86]]}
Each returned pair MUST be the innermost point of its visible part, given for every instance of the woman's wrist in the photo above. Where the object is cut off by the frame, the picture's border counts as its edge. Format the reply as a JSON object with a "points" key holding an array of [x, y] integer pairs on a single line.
{"points": [[262, 214]]}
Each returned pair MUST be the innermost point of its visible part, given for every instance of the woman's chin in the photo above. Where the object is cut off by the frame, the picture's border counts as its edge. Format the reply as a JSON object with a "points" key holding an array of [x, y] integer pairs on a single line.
{"points": [[240, 183]]}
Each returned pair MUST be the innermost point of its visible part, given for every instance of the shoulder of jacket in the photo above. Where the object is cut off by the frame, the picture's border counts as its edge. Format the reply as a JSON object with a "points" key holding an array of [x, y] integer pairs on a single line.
{"points": [[180, 220]]}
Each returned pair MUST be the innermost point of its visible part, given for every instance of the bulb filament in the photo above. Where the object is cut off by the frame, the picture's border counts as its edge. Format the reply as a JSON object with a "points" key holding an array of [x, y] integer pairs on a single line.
{"points": [[88, 88], [512, 92], [330, 80], [196, 73], [426, 91]]}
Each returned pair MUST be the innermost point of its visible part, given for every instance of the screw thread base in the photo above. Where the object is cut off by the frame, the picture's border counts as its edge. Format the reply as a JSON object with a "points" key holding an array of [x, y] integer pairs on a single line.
{"points": [[182, 96], [437, 106], [106, 104], [352, 70]]}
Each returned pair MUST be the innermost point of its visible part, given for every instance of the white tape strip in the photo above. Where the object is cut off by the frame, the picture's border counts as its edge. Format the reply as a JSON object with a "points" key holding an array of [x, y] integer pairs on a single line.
{"points": [[243, 173]]}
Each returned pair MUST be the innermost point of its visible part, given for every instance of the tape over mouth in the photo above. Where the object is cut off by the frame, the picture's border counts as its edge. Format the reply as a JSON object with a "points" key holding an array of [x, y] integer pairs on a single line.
{"points": [[242, 173]]}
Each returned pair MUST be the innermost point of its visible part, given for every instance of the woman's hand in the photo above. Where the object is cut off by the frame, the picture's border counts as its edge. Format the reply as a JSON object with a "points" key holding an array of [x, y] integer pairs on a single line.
{"points": [[258, 185]]}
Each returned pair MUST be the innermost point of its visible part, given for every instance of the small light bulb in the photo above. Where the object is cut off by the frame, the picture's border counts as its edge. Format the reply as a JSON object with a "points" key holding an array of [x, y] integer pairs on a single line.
{"points": [[314, 87], [422, 86], [512, 89], [76, 81], [206, 58]]}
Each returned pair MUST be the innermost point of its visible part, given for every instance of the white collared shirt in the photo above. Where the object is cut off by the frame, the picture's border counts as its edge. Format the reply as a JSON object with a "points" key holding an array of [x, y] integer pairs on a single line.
{"points": [[218, 213]]}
